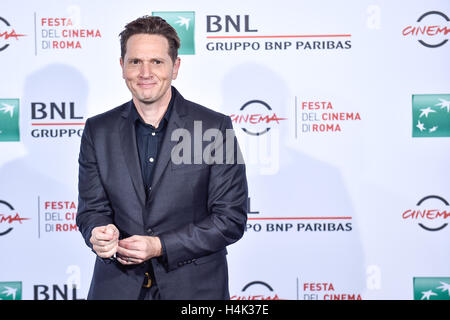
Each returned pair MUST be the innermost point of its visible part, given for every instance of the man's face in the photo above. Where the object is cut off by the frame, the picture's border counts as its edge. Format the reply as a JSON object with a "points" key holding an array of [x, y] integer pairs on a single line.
{"points": [[148, 69]]}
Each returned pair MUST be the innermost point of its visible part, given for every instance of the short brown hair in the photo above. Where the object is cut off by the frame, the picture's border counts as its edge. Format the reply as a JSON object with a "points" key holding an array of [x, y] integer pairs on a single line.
{"points": [[150, 25]]}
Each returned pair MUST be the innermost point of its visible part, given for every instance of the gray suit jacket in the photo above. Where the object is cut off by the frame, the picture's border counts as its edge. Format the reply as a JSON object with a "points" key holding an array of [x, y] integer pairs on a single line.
{"points": [[195, 209]]}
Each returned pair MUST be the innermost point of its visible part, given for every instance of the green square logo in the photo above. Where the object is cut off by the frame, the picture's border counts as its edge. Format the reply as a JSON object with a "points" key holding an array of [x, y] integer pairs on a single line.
{"points": [[184, 23], [430, 115], [431, 288], [9, 120], [10, 290]]}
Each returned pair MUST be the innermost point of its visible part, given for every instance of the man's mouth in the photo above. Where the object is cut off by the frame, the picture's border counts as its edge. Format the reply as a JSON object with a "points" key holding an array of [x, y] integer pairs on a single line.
{"points": [[146, 85]]}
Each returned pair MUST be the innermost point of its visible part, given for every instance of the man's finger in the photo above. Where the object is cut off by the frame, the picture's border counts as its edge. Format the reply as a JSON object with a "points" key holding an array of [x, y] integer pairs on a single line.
{"points": [[105, 247], [125, 252], [104, 242], [112, 229], [131, 253], [128, 260], [104, 254], [99, 235], [125, 260], [132, 245]]}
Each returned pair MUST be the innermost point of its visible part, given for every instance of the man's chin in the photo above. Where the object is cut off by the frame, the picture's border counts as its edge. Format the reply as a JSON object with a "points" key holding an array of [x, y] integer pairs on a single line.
{"points": [[148, 97], [145, 99]]}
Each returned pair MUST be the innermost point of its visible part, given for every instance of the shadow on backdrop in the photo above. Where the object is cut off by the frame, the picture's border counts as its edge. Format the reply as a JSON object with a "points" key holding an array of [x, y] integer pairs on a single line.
{"points": [[291, 184]]}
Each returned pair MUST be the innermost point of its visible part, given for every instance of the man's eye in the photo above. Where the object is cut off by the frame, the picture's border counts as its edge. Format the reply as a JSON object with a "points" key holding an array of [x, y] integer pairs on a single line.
{"points": [[134, 61], [157, 61]]}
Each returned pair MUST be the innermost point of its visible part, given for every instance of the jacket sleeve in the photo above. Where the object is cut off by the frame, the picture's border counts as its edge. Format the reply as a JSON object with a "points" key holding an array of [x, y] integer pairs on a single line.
{"points": [[227, 207], [94, 207]]}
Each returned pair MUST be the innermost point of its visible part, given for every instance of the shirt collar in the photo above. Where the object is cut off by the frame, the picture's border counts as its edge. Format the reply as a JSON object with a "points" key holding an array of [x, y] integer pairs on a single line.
{"points": [[137, 119]]}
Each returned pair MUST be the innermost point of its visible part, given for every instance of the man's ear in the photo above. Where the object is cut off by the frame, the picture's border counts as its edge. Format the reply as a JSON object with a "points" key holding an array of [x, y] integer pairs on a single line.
{"points": [[176, 67], [121, 65]]}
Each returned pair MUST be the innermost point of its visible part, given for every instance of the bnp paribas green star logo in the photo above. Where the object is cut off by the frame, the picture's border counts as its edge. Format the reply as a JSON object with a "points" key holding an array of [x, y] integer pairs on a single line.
{"points": [[9, 120], [184, 23], [427, 288], [11, 290], [431, 115]]}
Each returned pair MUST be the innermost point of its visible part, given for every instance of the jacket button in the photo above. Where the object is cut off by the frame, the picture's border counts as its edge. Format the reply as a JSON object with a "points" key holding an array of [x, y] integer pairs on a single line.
{"points": [[150, 231]]}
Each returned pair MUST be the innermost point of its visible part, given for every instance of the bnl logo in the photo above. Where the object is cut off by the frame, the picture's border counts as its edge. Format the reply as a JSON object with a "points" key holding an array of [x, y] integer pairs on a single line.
{"points": [[184, 24], [9, 120], [430, 115], [431, 288], [11, 290]]}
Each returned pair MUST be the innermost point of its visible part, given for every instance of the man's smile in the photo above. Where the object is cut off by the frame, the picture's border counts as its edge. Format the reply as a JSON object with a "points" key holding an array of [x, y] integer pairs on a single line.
{"points": [[146, 85]]}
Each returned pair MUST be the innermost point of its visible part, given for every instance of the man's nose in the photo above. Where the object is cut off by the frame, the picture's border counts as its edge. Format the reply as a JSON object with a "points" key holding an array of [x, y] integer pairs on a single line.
{"points": [[146, 70]]}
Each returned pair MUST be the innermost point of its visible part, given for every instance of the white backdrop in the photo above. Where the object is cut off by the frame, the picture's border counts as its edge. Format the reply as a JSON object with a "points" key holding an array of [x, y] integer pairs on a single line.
{"points": [[335, 176]]}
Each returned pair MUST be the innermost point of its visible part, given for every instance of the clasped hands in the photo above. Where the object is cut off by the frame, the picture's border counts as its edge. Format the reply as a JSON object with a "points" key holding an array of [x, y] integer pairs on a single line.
{"points": [[133, 250]]}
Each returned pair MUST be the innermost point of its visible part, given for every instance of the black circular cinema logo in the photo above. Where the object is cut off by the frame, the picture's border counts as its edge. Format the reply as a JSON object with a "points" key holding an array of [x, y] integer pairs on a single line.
{"points": [[256, 290], [431, 29], [256, 117], [431, 213], [443, 214], [7, 34], [8, 217]]}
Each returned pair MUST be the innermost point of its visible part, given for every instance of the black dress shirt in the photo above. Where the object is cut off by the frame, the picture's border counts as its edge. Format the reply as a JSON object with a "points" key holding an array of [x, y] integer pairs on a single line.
{"points": [[149, 140]]}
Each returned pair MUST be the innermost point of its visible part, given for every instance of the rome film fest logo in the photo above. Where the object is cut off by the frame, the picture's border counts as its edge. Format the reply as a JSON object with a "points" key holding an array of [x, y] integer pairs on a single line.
{"points": [[327, 291], [7, 34], [63, 33], [57, 216], [312, 117], [8, 217], [431, 28]]}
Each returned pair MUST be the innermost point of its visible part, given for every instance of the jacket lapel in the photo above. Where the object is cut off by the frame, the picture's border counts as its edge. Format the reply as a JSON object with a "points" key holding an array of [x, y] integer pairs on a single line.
{"points": [[175, 121], [130, 152]]}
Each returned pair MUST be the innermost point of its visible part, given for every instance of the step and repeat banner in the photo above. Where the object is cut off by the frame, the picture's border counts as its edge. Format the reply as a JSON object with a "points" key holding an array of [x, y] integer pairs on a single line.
{"points": [[342, 110]]}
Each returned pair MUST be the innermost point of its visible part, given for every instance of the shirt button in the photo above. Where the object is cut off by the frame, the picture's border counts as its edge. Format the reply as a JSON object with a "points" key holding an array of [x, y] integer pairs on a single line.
{"points": [[151, 159], [153, 133]]}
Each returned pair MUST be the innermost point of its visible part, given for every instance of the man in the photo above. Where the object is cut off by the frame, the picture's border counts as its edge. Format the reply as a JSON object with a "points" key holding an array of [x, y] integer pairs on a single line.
{"points": [[159, 228]]}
